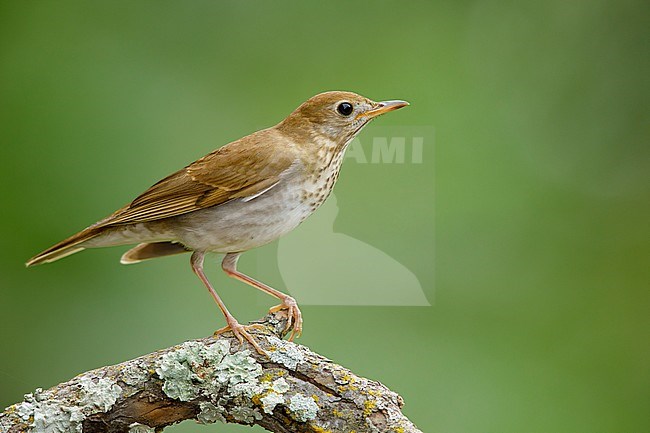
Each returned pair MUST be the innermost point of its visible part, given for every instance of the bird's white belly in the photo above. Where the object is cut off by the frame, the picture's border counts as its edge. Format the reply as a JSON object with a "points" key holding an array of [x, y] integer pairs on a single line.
{"points": [[242, 225]]}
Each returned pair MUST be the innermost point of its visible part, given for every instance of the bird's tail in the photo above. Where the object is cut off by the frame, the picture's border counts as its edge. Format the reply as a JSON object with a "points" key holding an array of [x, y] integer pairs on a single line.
{"points": [[66, 247]]}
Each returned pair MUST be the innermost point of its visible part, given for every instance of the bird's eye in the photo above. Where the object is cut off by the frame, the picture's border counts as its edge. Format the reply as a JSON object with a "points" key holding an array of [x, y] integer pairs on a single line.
{"points": [[345, 108]]}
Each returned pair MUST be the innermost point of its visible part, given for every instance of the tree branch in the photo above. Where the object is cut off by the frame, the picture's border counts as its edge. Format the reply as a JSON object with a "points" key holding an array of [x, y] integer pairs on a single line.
{"points": [[214, 379]]}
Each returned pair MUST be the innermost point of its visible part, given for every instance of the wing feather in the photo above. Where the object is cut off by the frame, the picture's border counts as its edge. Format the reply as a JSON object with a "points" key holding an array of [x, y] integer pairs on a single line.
{"points": [[244, 168]]}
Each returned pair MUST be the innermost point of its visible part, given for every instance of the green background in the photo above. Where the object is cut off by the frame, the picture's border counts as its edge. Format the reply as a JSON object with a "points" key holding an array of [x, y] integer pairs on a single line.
{"points": [[539, 282]]}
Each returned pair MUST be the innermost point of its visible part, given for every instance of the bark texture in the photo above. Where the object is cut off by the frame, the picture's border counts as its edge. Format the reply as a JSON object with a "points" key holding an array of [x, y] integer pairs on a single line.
{"points": [[291, 389]]}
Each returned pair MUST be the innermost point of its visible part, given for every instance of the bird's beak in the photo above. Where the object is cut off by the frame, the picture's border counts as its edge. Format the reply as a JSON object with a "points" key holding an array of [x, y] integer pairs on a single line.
{"points": [[383, 107]]}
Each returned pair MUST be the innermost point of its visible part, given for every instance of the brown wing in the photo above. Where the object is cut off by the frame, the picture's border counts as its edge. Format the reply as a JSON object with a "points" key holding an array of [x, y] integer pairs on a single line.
{"points": [[240, 169]]}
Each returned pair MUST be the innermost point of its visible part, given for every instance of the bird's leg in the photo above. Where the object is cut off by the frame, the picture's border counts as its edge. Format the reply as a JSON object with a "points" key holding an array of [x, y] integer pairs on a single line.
{"points": [[233, 325], [229, 265]]}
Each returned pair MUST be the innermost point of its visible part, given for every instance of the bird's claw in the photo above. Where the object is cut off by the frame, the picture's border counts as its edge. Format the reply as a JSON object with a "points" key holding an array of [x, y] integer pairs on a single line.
{"points": [[294, 316], [241, 332]]}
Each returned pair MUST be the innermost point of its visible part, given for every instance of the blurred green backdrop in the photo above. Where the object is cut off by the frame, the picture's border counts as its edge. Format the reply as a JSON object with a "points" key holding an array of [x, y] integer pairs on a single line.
{"points": [[540, 314]]}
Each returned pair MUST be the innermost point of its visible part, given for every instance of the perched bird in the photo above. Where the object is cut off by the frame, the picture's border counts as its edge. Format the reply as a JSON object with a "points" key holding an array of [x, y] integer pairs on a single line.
{"points": [[239, 197]]}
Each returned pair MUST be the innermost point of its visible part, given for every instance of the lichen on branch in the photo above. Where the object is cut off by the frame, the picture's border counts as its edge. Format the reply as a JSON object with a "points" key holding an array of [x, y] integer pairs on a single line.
{"points": [[212, 380]]}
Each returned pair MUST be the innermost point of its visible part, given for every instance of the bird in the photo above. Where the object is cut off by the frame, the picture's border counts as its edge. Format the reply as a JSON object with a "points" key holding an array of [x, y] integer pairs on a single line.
{"points": [[241, 196]]}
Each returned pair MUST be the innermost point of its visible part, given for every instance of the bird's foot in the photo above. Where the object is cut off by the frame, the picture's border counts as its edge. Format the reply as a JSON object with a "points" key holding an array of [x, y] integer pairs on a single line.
{"points": [[241, 332], [294, 315]]}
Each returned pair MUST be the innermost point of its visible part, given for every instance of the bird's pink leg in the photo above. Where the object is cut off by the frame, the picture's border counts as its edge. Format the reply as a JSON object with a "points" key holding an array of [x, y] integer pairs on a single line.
{"points": [[233, 325], [229, 265]]}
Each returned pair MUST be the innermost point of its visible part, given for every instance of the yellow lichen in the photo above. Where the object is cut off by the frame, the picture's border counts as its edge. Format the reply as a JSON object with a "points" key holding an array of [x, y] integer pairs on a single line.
{"points": [[318, 429], [344, 388], [368, 406], [257, 399], [373, 392], [345, 377], [267, 377]]}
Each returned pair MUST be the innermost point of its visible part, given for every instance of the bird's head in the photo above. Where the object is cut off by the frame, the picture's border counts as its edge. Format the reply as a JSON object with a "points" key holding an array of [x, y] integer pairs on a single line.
{"points": [[337, 115]]}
